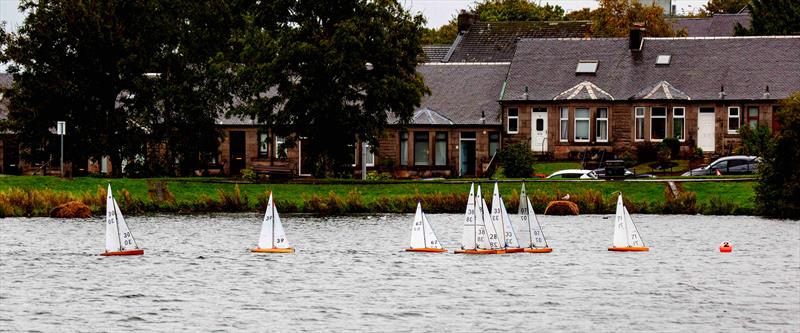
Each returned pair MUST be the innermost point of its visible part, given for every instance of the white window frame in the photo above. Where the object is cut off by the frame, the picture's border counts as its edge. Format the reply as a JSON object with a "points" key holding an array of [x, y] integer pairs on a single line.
{"points": [[588, 125], [279, 140], [263, 145], [508, 121], [738, 119], [597, 121], [636, 118], [370, 154], [682, 118], [652, 116], [586, 67], [564, 125]]}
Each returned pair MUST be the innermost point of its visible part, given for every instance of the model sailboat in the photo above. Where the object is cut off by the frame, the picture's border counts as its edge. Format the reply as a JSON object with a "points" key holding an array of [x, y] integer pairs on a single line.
{"points": [[273, 237], [119, 239], [423, 239], [502, 223], [626, 236], [475, 238], [538, 243]]}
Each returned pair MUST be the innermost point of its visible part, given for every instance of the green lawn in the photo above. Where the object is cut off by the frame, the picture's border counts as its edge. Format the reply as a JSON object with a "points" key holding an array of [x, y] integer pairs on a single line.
{"points": [[548, 168], [740, 193]]}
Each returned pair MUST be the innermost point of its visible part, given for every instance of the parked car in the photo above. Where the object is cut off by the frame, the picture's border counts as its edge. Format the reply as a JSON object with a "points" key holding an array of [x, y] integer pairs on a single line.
{"points": [[727, 165], [601, 174], [572, 174]]}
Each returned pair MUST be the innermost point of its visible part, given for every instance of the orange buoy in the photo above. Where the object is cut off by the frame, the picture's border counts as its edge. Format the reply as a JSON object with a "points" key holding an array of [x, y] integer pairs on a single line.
{"points": [[725, 247]]}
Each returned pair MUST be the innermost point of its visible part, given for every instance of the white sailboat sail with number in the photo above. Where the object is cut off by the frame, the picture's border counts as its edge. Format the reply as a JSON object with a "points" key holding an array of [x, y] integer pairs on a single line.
{"points": [[502, 223], [538, 243], [626, 235], [423, 238], [119, 239], [273, 237], [474, 236]]}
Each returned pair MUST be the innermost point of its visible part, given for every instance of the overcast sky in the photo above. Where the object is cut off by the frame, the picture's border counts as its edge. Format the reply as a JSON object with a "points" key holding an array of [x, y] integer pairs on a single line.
{"points": [[438, 12]]}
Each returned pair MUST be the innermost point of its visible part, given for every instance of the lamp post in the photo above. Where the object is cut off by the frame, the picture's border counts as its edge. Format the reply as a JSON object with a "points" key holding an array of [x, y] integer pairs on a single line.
{"points": [[61, 130]]}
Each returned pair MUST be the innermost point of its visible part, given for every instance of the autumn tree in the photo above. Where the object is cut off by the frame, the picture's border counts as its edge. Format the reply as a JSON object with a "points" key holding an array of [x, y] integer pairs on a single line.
{"points": [[614, 18], [772, 17], [445, 34], [517, 10], [779, 182], [583, 14], [328, 74]]}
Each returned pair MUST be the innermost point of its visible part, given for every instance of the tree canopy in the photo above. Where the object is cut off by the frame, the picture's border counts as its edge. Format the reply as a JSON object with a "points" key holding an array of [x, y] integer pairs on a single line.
{"points": [[87, 63], [772, 17], [614, 18], [779, 182], [331, 74], [725, 6]]}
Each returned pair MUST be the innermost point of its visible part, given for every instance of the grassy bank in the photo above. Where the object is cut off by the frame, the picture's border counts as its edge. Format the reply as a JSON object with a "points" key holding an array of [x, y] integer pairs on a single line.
{"points": [[37, 195]]}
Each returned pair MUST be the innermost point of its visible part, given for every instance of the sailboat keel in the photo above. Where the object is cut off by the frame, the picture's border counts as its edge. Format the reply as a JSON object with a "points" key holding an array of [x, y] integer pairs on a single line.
{"points": [[136, 252]]}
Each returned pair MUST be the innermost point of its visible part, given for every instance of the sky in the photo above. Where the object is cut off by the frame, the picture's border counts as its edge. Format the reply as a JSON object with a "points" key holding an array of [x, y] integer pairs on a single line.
{"points": [[437, 12]]}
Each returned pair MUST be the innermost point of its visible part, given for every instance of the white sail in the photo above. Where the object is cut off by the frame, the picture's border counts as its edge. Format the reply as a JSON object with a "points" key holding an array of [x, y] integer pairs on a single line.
{"points": [[431, 241], [492, 237], [634, 239], [620, 227], [418, 229], [469, 235], [272, 234], [528, 216], [118, 236], [497, 216], [510, 235]]}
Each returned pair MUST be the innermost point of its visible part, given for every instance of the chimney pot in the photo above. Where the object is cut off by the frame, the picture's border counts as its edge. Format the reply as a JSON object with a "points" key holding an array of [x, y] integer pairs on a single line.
{"points": [[466, 20]]}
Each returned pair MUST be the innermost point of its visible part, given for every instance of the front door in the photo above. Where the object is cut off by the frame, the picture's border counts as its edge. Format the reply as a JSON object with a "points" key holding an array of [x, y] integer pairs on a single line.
{"points": [[706, 122], [237, 149], [467, 154], [539, 130]]}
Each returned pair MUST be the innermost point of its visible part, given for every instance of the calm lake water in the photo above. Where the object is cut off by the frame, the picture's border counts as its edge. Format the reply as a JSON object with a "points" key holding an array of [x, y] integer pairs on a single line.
{"points": [[349, 274]]}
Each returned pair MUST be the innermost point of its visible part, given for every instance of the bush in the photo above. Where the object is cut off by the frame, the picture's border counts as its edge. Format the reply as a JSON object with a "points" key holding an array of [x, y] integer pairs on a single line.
{"points": [[755, 141], [697, 153], [517, 160], [664, 155], [674, 146], [779, 181], [629, 158], [374, 175], [646, 152], [248, 174]]}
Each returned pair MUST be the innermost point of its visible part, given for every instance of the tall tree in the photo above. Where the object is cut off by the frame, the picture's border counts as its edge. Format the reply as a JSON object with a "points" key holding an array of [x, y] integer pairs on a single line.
{"points": [[85, 62], [332, 74], [779, 182], [772, 17], [445, 34], [725, 6], [517, 10], [614, 18], [583, 14]]}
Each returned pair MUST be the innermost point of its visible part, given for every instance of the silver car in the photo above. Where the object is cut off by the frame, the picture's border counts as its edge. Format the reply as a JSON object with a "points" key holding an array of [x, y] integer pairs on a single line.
{"points": [[727, 165]]}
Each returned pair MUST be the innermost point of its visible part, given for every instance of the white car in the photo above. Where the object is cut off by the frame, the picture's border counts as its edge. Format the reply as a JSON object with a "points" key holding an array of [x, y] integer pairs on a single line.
{"points": [[573, 174]]}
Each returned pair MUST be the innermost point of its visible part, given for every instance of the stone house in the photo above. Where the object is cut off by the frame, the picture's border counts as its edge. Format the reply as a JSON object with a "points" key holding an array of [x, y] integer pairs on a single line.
{"points": [[613, 94]]}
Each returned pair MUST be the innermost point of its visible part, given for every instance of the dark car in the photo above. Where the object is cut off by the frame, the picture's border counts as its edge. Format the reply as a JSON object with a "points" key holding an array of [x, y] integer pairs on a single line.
{"points": [[727, 165]]}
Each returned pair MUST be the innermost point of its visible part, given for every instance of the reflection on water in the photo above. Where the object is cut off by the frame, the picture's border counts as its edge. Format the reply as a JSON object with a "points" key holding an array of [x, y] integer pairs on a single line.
{"points": [[350, 273]]}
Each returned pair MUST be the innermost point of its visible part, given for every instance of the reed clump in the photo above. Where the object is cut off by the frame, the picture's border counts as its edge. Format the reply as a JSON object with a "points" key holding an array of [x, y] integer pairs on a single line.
{"points": [[234, 201], [684, 203], [718, 206]]}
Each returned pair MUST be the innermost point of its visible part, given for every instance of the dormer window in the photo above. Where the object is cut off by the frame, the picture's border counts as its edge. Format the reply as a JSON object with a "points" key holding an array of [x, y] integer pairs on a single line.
{"points": [[663, 59], [586, 67]]}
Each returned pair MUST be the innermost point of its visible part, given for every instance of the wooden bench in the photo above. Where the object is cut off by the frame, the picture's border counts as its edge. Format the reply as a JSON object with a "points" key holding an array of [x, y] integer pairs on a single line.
{"points": [[273, 171]]}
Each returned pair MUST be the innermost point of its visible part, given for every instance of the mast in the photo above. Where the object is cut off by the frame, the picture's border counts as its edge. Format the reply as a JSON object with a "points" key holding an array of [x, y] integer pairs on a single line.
{"points": [[273, 222], [116, 219], [424, 240], [475, 218]]}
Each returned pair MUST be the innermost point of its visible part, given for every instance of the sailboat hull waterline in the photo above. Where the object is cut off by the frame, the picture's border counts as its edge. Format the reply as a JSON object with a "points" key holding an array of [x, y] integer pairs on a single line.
{"points": [[275, 250], [629, 249], [136, 252], [425, 249], [538, 250], [475, 251], [514, 250]]}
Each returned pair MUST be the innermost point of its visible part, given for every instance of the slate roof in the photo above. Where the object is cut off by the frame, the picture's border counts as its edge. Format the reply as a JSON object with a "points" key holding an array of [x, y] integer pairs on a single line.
{"points": [[719, 25], [661, 91], [745, 66], [461, 94], [435, 53], [584, 91], [496, 41]]}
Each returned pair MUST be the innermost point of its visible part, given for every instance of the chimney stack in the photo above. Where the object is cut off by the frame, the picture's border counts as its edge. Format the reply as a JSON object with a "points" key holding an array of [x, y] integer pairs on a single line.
{"points": [[466, 20], [637, 37]]}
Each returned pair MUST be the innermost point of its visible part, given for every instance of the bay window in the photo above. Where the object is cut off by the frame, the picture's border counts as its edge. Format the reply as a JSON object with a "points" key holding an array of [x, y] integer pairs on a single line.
{"points": [[403, 148], [441, 148], [263, 145], [564, 124], [752, 116], [582, 125], [601, 125], [678, 123], [639, 130], [513, 120], [494, 143], [420, 148], [658, 123]]}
